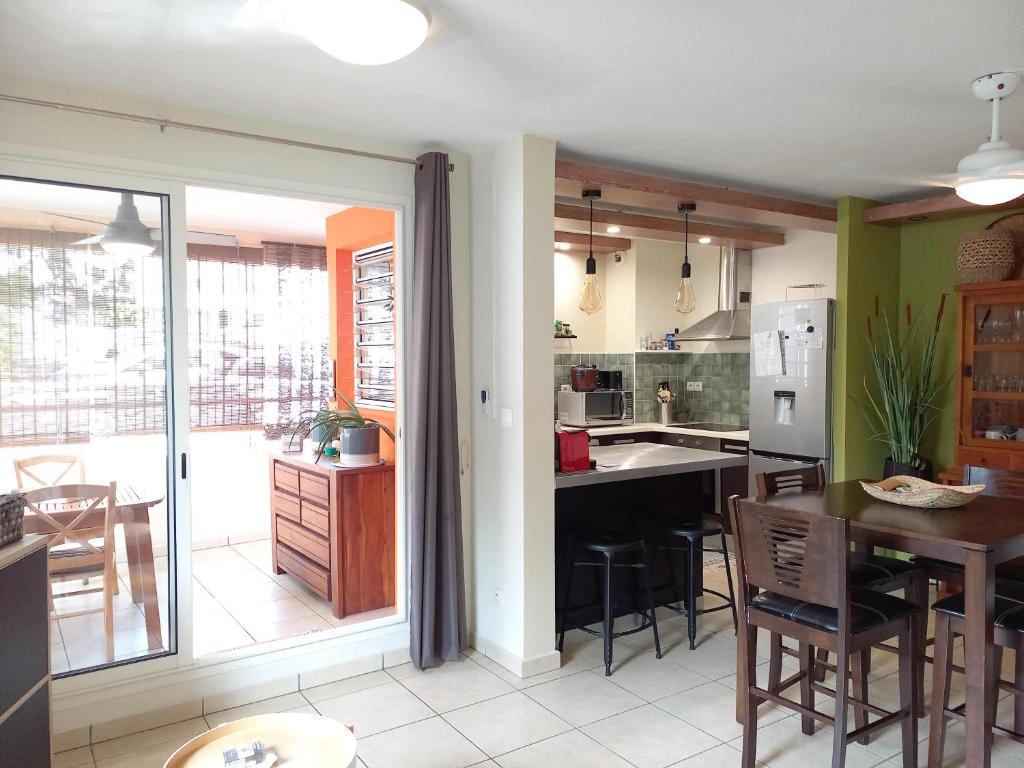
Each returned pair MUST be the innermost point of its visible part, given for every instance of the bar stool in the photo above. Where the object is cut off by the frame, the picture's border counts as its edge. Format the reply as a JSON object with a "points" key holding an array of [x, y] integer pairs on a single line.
{"points": [[609, 548], [1008, 632], [692, 535]]}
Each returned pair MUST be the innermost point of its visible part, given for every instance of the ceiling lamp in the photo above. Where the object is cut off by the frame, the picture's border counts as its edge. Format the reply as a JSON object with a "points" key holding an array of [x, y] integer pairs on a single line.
{"points": [[562, 246], [686, 299], [705, 240], [367, 32], [126, 235], [590, 297], [995, 173], [614, 229]]}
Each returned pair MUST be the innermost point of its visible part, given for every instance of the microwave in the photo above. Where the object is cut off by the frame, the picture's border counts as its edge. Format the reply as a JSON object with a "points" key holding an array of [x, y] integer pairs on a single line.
{"points": [[595, 409]]}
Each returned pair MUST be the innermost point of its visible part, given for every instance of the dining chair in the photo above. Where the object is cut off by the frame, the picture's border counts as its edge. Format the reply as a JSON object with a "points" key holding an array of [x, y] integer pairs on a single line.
{"points": [[1008, 632], [85, 544], [46, 470], [875, 572], [794, 580]]}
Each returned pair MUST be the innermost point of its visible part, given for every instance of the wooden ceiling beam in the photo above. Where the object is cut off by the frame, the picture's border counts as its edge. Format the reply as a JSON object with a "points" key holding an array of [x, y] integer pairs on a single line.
{"points": [[575, 217], [580, 241], [945, 206], [639, 190]]}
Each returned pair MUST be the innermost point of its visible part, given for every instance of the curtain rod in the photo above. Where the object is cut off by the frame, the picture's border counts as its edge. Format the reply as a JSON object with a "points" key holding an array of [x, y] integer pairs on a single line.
{"points": [[163, 124]]}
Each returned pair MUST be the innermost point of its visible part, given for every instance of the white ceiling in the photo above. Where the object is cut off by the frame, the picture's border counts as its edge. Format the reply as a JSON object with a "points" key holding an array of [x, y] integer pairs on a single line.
{"points": [[817, 99]]}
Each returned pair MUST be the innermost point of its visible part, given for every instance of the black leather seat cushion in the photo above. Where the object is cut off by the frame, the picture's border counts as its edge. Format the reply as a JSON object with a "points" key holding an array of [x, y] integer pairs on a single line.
{"points": [[878, 572], [710, 526], [868, 609], [1009, 612], [610, 543]]}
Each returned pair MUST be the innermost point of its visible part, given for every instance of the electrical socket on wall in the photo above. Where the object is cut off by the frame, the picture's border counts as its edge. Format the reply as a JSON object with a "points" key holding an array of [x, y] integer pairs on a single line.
{"points": [[695, 386]]}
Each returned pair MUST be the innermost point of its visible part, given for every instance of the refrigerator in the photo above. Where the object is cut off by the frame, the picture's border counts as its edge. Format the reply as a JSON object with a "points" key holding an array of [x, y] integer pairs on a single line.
{"points": [[791, 351]]}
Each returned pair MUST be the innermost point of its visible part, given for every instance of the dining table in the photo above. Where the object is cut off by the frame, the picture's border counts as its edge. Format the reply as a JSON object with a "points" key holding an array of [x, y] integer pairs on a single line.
{"points": [[132, 513], [987, 531]]}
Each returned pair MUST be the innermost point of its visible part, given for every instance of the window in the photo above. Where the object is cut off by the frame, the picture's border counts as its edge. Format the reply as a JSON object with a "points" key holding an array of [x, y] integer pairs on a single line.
{"points": [[373, 276]]}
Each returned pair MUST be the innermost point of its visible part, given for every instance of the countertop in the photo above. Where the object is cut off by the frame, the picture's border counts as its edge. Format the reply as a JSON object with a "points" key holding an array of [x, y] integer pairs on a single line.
{"points": [[24, 546], [307, 457], [625, 429], [639, 460]]}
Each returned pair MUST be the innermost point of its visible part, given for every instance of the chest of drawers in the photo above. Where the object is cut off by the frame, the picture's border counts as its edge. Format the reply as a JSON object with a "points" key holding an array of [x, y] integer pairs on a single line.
{"points": [[334, 530]]}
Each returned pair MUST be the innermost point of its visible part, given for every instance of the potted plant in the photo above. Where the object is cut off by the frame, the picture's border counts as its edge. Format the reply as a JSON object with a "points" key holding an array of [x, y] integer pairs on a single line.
{"points": [[358, 435], [903, 403]]}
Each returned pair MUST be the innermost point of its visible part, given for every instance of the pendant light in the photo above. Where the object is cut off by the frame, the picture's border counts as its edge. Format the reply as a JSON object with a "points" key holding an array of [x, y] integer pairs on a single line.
{"points": [[126, 235], [590, 297], [366, 32], [686, 299]]}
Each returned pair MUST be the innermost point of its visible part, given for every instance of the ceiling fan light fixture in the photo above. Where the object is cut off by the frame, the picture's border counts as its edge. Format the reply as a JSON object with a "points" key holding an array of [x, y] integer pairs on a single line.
{"points": [[365, 32], [995, 173], [992, 191], [126, 235]]}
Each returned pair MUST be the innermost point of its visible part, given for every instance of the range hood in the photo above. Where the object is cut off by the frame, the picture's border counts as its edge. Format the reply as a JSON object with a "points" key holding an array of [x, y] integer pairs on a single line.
{"points": [[732, 319]]}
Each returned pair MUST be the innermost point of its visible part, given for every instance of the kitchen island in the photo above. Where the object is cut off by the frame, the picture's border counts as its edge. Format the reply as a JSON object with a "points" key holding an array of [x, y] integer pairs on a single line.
{"points": [[633, 490]]}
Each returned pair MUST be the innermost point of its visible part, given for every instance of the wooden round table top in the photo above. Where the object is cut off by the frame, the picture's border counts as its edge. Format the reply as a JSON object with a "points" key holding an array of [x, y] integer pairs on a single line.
{"points": [[299, 741]]}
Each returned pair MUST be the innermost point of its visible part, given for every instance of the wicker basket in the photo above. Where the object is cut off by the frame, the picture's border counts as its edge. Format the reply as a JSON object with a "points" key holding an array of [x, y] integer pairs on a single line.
{"points": [[12, 514], [985, 257]]}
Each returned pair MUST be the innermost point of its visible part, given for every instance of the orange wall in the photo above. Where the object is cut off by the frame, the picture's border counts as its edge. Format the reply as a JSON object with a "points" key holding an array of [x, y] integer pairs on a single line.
{"points": [[347, 231]]}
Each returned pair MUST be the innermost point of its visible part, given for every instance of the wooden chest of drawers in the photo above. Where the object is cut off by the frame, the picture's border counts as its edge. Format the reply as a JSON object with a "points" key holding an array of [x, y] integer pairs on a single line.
{"points": [[334, 530]]}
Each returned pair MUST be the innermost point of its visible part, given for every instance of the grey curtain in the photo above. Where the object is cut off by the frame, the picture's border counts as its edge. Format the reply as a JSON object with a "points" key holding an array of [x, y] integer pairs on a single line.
{"points": [[438, 596]]}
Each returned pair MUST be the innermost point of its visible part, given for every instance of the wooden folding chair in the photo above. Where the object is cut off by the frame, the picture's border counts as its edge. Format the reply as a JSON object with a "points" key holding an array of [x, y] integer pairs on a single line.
{"points": [[43, 471], [84, 543]]}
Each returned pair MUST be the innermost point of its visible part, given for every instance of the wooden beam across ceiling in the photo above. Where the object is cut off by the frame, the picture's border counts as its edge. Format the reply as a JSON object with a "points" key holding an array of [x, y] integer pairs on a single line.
{"points": [[639, 190], [946, 206], [580, 242], [576, 217]]}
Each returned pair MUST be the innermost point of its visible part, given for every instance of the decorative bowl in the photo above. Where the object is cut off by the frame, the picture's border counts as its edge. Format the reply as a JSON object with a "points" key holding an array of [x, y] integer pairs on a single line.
{"points": [[914, 492]]}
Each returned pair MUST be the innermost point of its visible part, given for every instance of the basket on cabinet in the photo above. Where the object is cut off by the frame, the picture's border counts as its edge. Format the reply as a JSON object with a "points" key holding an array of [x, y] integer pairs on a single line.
{"points": [[985, 257], [12, 514]]}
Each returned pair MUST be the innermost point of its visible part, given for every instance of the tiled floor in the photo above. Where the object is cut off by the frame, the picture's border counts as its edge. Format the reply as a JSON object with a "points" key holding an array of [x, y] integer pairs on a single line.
{"points": [[676, 711], [238, 601]]}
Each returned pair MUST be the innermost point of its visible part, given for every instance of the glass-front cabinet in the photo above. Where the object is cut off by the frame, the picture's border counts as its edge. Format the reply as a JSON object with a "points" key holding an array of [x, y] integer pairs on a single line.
{"points": [[992, 375]]}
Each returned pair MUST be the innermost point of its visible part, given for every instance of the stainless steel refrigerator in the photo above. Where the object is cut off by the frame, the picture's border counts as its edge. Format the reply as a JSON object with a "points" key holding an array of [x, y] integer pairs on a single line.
{"points": [[791, 350]]}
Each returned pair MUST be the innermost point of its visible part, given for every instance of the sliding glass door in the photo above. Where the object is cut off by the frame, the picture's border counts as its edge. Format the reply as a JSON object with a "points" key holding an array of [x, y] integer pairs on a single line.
{"points": [[86, 408]]}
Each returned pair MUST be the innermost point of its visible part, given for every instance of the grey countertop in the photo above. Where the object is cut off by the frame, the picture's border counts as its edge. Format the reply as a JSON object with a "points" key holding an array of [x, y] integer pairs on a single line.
{"points": [[19, 549], [639, 460]]}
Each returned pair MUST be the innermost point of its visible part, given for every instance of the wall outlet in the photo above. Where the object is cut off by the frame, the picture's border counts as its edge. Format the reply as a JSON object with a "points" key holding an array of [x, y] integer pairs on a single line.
{"points": [[695, 386], [498, 596]]}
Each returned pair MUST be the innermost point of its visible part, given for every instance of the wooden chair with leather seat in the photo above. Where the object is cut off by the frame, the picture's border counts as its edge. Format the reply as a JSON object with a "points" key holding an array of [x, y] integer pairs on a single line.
{"points": [[794, 580], [867, 571], [85, 544]]}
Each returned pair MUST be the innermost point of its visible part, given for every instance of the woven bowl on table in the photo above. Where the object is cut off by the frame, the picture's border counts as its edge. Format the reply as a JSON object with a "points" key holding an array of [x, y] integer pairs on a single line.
{"points": [[914, 492], [986, 257]]}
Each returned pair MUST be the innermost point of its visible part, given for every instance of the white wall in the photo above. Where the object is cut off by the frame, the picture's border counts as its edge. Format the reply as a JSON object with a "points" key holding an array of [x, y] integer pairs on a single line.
{"points": [[807, 257], [570, 269], [85, 146], [620, 302], [513, 304]]}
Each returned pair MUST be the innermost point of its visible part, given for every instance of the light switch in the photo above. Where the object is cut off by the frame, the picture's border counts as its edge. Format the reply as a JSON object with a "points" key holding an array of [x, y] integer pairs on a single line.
{"points": [[506, 417]]}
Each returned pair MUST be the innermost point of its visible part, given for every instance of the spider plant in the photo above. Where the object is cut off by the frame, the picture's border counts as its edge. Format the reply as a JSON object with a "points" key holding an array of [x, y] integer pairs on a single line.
{"points": [[333, 420], [903, 404]]}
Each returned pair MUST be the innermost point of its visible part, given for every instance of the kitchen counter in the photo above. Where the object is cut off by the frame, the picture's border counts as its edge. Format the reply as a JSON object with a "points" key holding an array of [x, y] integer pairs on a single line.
{"points": [[625, 429], [635, 461]]}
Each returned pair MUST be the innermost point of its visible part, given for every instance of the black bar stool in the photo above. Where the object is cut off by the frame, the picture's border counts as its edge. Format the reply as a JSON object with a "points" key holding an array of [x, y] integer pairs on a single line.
{"points": [[609, 548], [691, 535]]}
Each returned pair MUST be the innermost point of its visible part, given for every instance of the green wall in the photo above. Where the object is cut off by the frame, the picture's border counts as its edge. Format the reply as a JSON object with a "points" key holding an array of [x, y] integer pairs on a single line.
{"points": [[915, 264], [868, 265], [928, 253]]}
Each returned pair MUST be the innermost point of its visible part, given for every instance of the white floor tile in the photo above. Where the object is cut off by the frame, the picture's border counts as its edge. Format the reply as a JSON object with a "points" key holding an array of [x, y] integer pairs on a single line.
{"points": [[430, 743], [506, 723], [136, 742], [649, 737], [651, 678], [708, 707], [452, 685], [583, 698], [349, 685], [569, 750], [285, 703], [75, 758], [783, 745], [375, 709]]}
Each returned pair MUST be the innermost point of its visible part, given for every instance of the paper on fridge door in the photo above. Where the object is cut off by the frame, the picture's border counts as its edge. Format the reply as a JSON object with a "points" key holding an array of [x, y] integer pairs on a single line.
{"points": [[767, 348]]}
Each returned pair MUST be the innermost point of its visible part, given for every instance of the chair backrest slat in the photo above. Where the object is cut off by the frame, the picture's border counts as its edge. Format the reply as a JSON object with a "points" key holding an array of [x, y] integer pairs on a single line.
{"points": [[83, 499], [797, 554], [56, 466], [790, 480]]}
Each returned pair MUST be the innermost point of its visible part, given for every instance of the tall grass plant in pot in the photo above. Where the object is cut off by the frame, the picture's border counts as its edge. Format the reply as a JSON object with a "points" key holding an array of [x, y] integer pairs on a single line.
{"points": [[358, 435], [903, 392]]}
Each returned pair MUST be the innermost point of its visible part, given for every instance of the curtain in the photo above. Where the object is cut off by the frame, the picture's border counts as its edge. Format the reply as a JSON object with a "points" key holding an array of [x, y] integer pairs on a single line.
{"points": [[438, 598]]}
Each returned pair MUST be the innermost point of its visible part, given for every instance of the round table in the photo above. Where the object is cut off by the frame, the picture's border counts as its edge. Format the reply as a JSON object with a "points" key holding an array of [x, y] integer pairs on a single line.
{"points": [[299, 741]]}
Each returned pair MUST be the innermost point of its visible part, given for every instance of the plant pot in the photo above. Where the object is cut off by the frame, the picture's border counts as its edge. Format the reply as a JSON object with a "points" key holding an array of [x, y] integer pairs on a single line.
{"points": [[918, 468], [360, 446]]}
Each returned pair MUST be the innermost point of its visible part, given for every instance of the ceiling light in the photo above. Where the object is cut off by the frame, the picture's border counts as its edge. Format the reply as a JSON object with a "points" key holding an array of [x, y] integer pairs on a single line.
{"points": [[995, 173], [704, 240], [367, 32], [562, 246], [126, 235], [590, 296], [614, 229], [686, 299]]}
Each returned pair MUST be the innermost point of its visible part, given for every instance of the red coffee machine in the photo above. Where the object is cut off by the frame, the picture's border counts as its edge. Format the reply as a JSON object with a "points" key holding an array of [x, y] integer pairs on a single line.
{"points": [[572, 451]]}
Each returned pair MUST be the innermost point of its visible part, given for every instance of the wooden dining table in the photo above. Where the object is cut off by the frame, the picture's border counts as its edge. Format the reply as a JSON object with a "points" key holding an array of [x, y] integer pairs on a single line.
{"points": [[132, 514], [986, 532]]}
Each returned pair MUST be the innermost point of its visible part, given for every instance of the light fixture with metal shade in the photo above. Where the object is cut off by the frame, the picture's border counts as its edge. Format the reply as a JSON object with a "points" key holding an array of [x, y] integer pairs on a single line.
{"points": [[590, 297], [126, 235], [995, 173], [686, 299]]}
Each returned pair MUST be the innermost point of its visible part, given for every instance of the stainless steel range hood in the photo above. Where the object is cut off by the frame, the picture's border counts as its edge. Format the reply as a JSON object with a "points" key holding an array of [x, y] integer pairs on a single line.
{"points": [[732, 320]]}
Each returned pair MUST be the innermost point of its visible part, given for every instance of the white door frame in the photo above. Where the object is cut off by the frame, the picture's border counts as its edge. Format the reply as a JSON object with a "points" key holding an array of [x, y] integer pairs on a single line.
{"points": [[180, 677]]}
